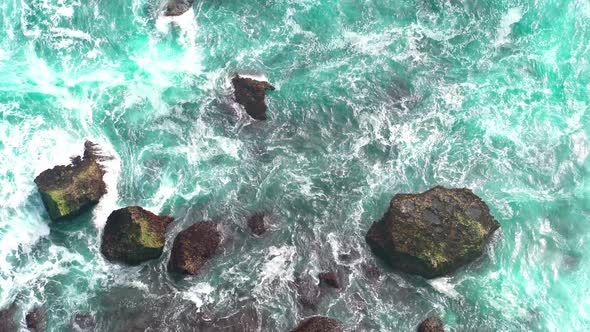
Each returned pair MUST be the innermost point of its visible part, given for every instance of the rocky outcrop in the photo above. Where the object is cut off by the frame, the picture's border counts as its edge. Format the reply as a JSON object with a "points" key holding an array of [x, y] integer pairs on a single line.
{"points": [[330, 279], [193, 247], [133, 235], [432, 233], [177, 7], [259, 223], [431, 324], [319, 324], [250, 93], [69, 190], [35, 319]]}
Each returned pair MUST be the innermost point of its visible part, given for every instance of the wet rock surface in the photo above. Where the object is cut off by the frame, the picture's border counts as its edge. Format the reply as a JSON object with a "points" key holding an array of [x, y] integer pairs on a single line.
{"points": [[133, 235], [259, 223], [35, 319], [251, 94], [70, 190], [432, 233], [8, 321], [193, 247], [431, 324], [319, 324], [177, 7]]}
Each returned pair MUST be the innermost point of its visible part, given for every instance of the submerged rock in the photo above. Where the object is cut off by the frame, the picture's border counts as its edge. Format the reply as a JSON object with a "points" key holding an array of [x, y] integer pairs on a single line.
{"points": [[67, 191], [432, 233], [83, 322], [177, 7], [319, 324], [133, 235], [250, 93], [330, 279], [431, 324], [35, 319], [259, 223], [7, 320], [193, 247]]}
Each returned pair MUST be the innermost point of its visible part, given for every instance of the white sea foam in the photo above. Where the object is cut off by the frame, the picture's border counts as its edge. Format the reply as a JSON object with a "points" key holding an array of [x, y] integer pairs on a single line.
{"points": [[514, 15], [446, 286], [278, 266], [200, 294], [108, 202]]}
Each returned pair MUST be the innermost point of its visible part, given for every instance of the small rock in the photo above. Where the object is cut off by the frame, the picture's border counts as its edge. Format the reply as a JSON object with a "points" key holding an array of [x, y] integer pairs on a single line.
{"points": [[193, 247], [431, 324], [251, 93], [68, 191], [432, 233], [259, 223], [330, 279], [177, 7], [133, 235], [35, 319], [319, 324]]}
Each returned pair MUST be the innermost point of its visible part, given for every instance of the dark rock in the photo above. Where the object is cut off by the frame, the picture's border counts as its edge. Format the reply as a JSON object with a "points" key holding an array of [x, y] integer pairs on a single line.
{"points": [[35, 319], [319, 324], [250, 94], [67, 191], [330, 279], [133, 235], [259, 223], [177, 7], [7, 319], [431, 324], [193, 247], [83, 322], [432, 233]]}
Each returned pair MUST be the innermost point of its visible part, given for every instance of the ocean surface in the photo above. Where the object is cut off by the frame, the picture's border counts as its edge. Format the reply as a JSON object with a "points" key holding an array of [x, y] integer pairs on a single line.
{"points": [[373, 98]]}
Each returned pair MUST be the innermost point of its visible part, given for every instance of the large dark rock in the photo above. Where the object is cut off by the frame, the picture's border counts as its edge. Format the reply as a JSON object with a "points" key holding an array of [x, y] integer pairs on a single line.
{"points": [[177, 7], [36, 319], [259, 223], [8, 322], [250, 93], [432, 233], [319, 324], [69, 190], [133, 235], [193, 247], [431, 324]]}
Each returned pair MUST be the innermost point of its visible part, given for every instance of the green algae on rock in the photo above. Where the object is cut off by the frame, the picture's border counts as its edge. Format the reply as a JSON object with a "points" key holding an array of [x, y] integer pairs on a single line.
{"points": [[432, 233], [133, 235], [319, 324], [193, 247], [69, 190]]}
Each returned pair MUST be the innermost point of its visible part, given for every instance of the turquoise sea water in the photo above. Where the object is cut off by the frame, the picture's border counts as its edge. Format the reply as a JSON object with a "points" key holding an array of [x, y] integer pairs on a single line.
{"points": [[373, 98]]}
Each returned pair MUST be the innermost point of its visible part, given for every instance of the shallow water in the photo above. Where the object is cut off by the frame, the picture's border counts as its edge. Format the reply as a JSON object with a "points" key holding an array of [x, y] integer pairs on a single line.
{"points": [[373, 98]]}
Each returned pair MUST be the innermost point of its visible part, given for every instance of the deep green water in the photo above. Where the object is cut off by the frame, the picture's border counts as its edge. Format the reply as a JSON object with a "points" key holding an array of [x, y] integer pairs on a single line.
{"points": [[373, 98]]}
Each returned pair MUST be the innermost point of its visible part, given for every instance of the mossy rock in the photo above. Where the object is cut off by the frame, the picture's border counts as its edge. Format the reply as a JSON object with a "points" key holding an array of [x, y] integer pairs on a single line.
{"points": [[69, 190], [133, 235], [319, 324], [193, 247], [432, 233]]}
